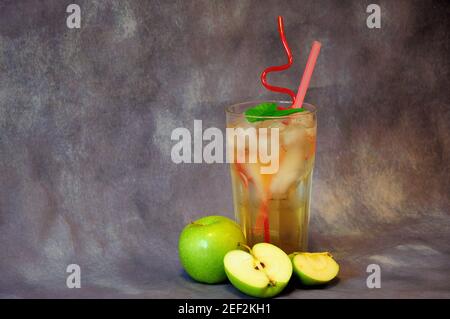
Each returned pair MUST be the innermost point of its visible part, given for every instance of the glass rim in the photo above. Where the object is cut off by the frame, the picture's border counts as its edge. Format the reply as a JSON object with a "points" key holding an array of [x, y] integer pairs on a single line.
{"points": [[230, 109]]}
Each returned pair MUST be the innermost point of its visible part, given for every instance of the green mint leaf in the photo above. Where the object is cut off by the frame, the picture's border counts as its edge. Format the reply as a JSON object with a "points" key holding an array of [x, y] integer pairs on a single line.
{"points": [[263, 109], [288, 111], [260, 111]]}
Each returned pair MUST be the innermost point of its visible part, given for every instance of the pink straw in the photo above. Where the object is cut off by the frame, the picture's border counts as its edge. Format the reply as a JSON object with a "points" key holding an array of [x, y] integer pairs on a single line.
{"points": [[304, 83]]}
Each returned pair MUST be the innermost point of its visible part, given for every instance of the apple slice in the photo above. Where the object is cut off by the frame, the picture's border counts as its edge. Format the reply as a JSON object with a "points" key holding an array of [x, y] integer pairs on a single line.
{"points": [[262, 272], [314, 268]]}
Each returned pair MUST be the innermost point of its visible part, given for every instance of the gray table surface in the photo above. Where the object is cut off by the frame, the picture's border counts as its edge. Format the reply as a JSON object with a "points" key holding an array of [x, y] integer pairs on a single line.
{"points": [[86, 117]]}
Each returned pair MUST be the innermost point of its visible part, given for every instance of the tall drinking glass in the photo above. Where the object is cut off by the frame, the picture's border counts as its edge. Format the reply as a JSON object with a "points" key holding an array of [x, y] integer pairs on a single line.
{"points": [[273, 207]]}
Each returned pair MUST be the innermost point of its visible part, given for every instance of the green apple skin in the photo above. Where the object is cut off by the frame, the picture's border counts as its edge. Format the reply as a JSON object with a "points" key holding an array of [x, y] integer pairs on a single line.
{"points": [[267, 292], [204, 243], [305, 279]]}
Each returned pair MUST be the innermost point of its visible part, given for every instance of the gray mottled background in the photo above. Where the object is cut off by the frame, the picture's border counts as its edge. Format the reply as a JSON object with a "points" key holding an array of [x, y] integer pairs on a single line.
{"points": [[86, 117]]}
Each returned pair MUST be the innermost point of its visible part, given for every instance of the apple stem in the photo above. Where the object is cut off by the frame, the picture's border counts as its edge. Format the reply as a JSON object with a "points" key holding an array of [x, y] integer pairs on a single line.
{"points": [[247, 247], [195, 223]]}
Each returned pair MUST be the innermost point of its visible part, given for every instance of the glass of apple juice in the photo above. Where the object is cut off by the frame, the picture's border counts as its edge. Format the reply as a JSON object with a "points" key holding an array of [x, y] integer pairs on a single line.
{"points": [[273, 207]]}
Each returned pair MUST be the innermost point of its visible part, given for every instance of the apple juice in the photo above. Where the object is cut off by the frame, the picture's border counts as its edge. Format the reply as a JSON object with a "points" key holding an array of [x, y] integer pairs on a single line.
{"points": [[275, 207]]}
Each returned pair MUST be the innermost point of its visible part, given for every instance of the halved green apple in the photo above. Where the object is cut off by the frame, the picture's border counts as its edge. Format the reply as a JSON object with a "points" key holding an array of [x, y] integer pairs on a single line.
{"points": [[314, 268], [262, 272]]}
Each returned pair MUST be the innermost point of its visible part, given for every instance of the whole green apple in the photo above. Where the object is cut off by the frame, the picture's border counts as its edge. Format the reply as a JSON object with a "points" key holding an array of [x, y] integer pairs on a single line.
{"points": [[204, 243]]}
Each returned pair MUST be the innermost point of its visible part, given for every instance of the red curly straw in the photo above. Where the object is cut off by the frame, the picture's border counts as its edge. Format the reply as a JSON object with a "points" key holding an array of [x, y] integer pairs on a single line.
{"points": [[263, 217], [280, 67]]}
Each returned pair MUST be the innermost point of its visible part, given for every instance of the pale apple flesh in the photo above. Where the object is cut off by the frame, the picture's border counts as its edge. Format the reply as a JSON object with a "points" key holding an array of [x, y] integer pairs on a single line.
{"points": [[263, 272], [314, 268]]}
